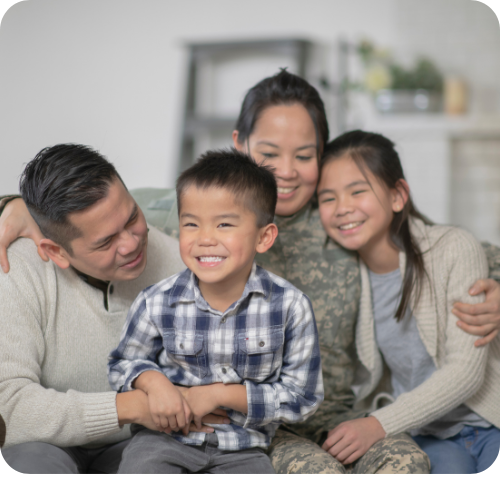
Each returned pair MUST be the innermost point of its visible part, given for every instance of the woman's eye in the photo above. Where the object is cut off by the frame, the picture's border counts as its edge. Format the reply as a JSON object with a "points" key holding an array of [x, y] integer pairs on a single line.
{"points": [[304, 158], [268, 155], [359, 192]]}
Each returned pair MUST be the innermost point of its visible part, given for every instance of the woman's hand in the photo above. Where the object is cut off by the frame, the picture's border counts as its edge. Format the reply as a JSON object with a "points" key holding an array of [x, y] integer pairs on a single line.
{"points": [[351, 440], [483, 319], [16, 222]]}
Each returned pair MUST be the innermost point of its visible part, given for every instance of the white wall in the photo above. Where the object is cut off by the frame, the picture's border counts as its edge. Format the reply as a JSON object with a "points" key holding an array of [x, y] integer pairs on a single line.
{"points": [[111, 73]]}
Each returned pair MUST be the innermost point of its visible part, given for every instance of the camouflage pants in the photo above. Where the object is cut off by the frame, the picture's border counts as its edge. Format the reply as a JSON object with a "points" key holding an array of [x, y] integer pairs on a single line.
{"points": [[292, 454]]}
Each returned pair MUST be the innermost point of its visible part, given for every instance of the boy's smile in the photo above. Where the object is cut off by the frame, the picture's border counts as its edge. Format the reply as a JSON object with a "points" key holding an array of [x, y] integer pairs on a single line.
{"points": [[218, 241]]}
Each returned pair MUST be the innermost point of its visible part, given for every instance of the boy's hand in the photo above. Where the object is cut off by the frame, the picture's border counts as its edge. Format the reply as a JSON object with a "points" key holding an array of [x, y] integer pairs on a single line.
{"points": [[351, 440], [169, 410], [202, 400]]}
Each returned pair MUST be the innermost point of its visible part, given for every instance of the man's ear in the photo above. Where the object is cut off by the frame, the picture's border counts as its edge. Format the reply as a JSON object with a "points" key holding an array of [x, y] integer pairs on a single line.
{"points": [[55, 252], [237, 145], [268, 235]]}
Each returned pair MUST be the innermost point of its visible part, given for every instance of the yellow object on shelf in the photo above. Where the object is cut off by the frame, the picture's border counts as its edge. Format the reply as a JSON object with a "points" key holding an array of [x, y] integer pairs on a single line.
{"points": [[455, 96]]}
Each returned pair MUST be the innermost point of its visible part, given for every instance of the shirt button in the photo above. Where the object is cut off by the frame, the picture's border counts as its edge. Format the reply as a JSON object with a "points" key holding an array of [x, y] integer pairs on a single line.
{"points": [[224, 371], [262, 343], [223, 320], [111, 289], [181, 346]]}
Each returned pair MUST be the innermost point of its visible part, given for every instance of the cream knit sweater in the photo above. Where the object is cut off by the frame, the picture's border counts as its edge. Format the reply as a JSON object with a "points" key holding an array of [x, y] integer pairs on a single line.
{"points": [[454, 260], [55, 337]]}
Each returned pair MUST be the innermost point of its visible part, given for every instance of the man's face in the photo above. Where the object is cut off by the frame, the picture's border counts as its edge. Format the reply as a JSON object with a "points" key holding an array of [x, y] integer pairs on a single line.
{"points": [[114, 237]]}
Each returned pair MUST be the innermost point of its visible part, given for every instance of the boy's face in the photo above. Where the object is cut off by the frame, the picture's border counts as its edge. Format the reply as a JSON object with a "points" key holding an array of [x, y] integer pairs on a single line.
{"points": [[218, 237]]}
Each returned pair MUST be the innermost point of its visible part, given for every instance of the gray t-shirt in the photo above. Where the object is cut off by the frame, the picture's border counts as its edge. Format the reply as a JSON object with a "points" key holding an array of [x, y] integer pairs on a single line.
{"points": [[406, 356]]}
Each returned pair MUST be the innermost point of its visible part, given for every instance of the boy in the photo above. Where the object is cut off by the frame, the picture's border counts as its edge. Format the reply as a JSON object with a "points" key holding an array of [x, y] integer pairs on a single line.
{"points": [[227, 333]]}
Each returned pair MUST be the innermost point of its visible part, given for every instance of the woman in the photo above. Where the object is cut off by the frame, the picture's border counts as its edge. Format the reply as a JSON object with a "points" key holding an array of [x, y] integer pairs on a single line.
{"points": [[283, 123]]}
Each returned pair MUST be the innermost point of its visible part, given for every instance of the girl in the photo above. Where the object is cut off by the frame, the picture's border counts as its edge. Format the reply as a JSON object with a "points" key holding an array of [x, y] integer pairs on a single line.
{"points": [[283, 123], [444, 390]]}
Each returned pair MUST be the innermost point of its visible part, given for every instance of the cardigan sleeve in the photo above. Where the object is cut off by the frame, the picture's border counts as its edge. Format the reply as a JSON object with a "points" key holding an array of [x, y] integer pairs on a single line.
{"points": [[31, 411], [457, 261]]}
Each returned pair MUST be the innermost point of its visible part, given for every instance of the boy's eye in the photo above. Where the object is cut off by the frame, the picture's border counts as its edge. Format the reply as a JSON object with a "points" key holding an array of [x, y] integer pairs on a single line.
{"points": [[225, 224], [189, 224]]}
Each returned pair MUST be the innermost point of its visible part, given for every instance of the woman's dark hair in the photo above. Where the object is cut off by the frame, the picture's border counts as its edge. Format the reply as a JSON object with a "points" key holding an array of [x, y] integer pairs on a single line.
{"points": [[377, 153], [283, 88]]}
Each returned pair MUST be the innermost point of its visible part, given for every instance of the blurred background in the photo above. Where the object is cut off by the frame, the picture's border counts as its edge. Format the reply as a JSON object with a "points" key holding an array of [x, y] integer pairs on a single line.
{"points": [[153, 83]]}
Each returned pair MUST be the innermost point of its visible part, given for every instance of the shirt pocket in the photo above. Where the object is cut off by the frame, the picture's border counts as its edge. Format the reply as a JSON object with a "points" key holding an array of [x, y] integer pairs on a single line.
{"points": [[260, 354], [187, 350]]}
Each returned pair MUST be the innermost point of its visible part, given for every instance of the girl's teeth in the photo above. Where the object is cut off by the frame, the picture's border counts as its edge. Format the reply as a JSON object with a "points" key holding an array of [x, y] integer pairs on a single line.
{"points": [[210, 259], [282, 190], [350, 226]]}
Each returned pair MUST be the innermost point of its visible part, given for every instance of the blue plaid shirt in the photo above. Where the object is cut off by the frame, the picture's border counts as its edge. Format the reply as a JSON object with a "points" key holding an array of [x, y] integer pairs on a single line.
{"points": [[267, 340]]}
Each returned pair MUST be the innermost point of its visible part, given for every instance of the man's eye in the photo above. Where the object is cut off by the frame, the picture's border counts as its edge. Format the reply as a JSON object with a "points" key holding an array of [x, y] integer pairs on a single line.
{"points": [[104, 246]]}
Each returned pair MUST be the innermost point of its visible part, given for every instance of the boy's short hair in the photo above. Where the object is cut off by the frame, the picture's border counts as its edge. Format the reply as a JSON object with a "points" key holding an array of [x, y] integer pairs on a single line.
{"points": [[253, 184], [61, 180]]}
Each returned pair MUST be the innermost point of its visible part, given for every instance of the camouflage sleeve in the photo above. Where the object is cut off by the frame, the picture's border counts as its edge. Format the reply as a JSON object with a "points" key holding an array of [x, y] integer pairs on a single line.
{"points": [[159, 207], [493, 256]]}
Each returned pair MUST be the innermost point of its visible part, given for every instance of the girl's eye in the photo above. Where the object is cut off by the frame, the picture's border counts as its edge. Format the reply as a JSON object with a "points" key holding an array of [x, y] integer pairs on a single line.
{"points": [[304, 158], [359, 192], [268, 155], [326, 200]]}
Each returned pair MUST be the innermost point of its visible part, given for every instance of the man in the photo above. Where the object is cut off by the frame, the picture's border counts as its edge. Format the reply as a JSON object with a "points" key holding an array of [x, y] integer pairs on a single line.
{"points": [[60, 319]]}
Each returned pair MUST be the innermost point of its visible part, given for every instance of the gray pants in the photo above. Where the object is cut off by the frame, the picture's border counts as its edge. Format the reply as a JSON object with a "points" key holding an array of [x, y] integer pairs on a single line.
{"points": [[153, 452], [43, 458]]}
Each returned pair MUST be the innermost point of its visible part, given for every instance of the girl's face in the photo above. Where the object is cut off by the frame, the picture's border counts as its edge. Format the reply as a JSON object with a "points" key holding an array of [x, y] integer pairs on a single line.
{"points": [[284, 138], [356, 210]]}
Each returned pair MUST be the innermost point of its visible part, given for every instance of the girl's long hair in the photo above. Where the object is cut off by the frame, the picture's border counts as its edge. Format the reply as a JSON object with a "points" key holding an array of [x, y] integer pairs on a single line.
{"points": [[377, 153]]}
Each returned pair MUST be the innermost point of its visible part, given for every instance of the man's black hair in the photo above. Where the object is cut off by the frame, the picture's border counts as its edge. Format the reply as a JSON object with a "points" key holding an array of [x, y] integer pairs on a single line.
{"points": [[253, 184], [61, 180]]}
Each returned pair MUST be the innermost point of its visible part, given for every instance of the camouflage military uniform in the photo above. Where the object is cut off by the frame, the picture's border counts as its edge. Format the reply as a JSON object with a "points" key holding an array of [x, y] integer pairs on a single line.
{"points": [[329, 275]]}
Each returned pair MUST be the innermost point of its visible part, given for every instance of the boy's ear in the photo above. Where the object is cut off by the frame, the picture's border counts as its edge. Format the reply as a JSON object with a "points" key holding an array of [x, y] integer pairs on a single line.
{"points": [[55, 252], [400, 195], [268, 235]]}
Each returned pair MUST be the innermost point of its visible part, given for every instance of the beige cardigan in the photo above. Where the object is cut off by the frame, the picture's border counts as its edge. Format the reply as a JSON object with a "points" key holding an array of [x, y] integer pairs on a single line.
{"points": [[454, 260]]}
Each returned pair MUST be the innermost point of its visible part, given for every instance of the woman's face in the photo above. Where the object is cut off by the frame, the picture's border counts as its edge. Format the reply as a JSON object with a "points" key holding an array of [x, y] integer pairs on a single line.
{"points": [[284, 138]]}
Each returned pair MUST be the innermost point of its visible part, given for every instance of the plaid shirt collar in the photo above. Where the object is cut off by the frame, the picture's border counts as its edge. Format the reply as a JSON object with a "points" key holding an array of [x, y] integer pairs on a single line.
{"points": [[186, 289]]}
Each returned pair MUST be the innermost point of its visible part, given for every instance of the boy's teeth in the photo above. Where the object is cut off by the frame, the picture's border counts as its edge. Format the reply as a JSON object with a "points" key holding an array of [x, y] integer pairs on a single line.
{"points": [[350, 226], [282, 190], [210, 259]]}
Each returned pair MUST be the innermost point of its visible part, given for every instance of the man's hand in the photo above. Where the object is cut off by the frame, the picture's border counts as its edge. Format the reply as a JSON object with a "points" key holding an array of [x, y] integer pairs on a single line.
{"points": [[351, 440], [133, 408], [16, 222], [169, 410], [481, 319]]}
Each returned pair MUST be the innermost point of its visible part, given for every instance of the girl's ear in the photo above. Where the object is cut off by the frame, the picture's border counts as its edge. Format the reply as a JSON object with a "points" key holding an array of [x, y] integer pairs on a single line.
{"points": [[267, 236], [400, 195]]}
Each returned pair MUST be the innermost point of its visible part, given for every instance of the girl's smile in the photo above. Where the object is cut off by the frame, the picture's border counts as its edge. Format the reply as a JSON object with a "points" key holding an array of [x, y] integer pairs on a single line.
{"points": [[357, 209]]}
